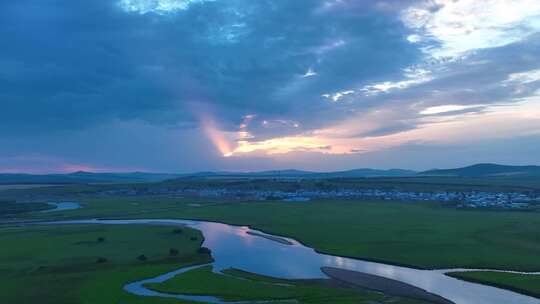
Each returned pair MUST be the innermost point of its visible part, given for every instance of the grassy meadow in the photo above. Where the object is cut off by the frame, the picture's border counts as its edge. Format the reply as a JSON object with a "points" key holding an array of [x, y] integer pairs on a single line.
{"points": [[237, 286], [90, 264], [422, 235], [59, 265], [11, 209], [522, 283], [418, 234]]}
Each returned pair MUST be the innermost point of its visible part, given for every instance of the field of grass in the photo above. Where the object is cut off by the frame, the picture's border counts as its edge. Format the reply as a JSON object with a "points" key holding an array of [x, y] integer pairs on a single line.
{"points": [[525, 284], [424, 235], [24, 186], [59, 265], [241, 286], [10, 209], [90, 264], [418, 183]]}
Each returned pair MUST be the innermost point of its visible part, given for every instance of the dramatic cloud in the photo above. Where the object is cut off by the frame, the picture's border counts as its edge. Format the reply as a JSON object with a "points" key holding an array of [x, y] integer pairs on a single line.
{"points": [[184, 85], [524, 77], [460, 26], [447, 109], [157, 6]]}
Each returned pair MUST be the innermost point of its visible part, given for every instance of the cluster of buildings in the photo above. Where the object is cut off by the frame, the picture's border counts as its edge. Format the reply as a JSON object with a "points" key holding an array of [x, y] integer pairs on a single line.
{"points": [[471, 199], [506, 200]]}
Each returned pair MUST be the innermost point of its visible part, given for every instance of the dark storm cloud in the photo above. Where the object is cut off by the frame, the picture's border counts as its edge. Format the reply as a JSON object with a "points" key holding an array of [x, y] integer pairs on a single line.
{"points": [[71, 64]]}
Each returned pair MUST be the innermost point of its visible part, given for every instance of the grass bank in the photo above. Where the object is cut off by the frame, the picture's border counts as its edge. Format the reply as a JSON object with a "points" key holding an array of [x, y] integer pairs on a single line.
{"points": [[240, 286], [89, 264], [423, 235], [521, 283]]}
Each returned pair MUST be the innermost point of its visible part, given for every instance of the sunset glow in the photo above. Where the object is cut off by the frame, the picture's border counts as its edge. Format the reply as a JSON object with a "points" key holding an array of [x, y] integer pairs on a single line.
{"points": [[217, 137]]}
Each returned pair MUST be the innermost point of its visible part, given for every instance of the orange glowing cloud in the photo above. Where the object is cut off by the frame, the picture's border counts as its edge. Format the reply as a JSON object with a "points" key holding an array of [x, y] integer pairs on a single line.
{"points": [[282, 145], [218, 137], [496, 122], [359, 134]]}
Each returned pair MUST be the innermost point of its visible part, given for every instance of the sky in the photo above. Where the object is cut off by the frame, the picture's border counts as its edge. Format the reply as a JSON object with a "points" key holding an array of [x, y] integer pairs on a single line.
{"points": [[243, 85]]}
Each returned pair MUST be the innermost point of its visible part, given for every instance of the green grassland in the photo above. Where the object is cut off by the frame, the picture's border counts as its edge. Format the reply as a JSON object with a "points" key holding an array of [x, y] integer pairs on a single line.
{"points": [[58, 265], [522, 283], [418, 183], [4, 187], [232, 288], [240, 286], [9, 209], [423, 235]]}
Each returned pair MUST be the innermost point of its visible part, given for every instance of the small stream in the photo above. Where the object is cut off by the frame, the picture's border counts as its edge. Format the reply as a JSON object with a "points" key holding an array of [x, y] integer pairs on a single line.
{"points": [[257, 252], [62, 206]]}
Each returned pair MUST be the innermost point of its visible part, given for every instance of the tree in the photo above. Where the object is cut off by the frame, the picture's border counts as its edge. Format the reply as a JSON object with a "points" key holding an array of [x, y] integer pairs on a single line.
{"points": [[173, 252], [142, 258], [204, 250], [101, 260]]}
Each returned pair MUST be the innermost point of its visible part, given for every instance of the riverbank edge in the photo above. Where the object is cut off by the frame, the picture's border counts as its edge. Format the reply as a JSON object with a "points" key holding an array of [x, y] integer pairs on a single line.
{"points": [[327, 282], [271, 238], [374, 260], [385, 285], [152, 288], [38, 222], [252, 227], [456, 275]]}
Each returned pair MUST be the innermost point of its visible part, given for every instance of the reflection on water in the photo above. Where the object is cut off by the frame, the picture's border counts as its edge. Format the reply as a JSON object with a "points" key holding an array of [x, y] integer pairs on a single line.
{"points": [[233, 247], [63, 206]]}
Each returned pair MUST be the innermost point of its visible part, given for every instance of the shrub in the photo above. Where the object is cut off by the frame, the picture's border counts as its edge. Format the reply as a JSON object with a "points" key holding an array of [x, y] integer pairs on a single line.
{"points": [[101, 239], [204, 250], [101, 260], [173, 252], [193, 238], [142, 258], [178, 231]]}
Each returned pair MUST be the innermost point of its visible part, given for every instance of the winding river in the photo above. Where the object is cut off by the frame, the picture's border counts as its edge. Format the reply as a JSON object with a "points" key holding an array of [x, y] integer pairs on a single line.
{"points": [[254, 251]]}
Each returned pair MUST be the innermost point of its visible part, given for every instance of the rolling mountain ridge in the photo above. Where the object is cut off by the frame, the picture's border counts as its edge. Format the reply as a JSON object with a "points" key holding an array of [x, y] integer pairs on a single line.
{"points": [[486, 170], [478, 170]]}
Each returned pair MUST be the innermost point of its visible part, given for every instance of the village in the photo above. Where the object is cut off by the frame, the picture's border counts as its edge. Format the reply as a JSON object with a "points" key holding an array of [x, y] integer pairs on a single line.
{"points": [[471, 199]]}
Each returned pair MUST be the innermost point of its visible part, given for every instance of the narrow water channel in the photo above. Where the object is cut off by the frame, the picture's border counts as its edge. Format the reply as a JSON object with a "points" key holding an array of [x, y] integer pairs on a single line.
{"points": [[62, 206]]}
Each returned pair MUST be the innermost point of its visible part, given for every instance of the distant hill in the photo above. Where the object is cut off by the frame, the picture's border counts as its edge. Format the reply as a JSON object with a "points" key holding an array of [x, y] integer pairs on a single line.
{"points": [[84, 178], [356, 173], [479, 170], [486, 170], [259, 174], [139, 177], [368, 173]]}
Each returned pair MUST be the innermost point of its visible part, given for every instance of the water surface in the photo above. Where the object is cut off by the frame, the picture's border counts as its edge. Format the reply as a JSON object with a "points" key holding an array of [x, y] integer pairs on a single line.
{"points": [[63, 206]]}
